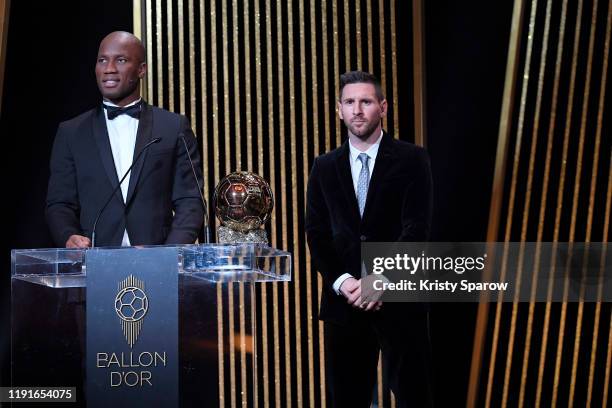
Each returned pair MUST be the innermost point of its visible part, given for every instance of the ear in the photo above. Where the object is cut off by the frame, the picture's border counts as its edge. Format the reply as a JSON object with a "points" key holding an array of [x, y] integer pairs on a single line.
{"points": [[339, 108], [142, 70], [383, 108]]}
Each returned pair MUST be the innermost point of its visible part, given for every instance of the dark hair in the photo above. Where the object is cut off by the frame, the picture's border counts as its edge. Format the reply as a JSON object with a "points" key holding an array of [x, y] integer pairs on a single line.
{"points": [[360, 77]]}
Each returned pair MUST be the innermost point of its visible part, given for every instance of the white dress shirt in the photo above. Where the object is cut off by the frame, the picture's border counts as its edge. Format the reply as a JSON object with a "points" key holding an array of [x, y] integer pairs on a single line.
{"points": [[122, 132], [356, 165]]}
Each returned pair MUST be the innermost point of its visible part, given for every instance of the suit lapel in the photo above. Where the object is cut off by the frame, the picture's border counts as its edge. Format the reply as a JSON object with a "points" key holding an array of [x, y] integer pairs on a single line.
{"points": [[384, 159], [343, 168], [100, 134], [143, 136]]}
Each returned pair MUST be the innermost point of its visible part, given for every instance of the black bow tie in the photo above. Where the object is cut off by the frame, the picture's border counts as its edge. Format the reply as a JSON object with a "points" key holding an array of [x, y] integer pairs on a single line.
{"points": [[114, 111]]}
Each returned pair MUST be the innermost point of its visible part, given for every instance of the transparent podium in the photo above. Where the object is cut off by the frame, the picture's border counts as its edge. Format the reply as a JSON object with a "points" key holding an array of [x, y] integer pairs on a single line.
{"points": [[204, 317]]}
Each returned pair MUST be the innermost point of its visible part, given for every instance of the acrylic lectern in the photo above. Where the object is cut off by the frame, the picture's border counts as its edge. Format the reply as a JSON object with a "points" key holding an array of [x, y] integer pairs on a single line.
{"points": [[140, 326]]}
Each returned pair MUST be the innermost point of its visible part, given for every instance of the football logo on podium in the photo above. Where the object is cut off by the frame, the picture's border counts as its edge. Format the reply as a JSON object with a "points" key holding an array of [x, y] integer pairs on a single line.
{"points": [[131, 305]]}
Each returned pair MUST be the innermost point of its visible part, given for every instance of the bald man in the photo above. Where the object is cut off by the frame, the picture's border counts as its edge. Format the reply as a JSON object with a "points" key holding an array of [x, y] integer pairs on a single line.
{"points": [[158, 202]]}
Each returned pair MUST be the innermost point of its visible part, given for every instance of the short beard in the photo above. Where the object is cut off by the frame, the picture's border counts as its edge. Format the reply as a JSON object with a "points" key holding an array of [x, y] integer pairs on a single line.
{"points": [[365, 133]]}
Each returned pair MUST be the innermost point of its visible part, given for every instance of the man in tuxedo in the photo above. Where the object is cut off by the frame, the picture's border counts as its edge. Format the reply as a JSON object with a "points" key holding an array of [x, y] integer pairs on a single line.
{"points": [[158, 202], [373, 188]]}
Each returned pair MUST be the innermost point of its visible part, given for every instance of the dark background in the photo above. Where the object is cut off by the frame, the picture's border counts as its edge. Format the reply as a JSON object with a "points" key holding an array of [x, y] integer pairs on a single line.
{"points": [[49, 78]]}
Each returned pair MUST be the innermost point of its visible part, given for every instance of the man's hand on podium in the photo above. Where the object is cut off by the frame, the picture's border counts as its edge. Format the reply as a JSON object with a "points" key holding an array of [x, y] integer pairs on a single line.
{"points": [[78, 241]]}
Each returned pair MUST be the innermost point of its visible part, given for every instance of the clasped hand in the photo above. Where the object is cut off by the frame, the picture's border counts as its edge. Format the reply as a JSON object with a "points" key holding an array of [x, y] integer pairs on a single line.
{"points": [[351, 290]]}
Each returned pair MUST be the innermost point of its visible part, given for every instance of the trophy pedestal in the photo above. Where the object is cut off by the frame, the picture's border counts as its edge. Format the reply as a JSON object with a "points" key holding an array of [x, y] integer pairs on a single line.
{"points": [[229, 236]]}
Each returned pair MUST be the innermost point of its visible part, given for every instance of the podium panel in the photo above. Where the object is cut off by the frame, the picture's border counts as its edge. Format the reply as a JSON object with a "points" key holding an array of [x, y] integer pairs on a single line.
{"points": [[49, 325]]}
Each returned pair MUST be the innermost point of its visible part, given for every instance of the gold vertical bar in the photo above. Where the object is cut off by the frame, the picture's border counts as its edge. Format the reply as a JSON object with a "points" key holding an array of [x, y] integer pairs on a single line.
{"points": [[159, 40], [5, 8], [192, 67], [418, 55], [283, 177], [370, 36], [294, 200], [216, 85], [227, 136], [606, 381], [232, 342], [138, 31], [271, 163], [220, 340], [148, 41], [322, 387], [394, 73], [243, 347], [206, 138], [236, 65], [585, 107], [277, 378], [136, 17], [258, 92], [260, 171], [326, 107], [347, 36], [379, 381], [249, 135], [314, 83], [551, 129], [336, 66], [494, 343], [254, 339], [137, 13], [602, 93], [381, 27], [570, 102], [591, 377], [181, 52], [315, 116], [216, 169], [600, 111], [170, 46], [534, 137], [597, 316], [247, 85], [496, 197], [264, 345], [515, 170], [357, 5], [321, 331]]}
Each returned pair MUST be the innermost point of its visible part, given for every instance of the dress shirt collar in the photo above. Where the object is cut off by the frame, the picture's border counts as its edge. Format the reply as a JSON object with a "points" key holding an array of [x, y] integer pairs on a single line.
{"points": [[371, 152], [109, 103]]}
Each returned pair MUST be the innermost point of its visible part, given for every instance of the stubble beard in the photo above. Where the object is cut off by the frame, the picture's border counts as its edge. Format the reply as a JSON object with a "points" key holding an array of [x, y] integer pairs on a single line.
{"points": [[363, 133]]}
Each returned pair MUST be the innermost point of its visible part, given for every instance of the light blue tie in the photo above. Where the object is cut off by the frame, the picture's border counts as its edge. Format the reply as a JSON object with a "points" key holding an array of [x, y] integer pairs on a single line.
{"points": [[363, 181]]}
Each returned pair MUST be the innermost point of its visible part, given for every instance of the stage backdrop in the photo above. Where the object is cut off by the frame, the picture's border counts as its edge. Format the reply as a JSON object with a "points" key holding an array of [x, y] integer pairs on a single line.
{"points": [[553, 182], [258, 79]]}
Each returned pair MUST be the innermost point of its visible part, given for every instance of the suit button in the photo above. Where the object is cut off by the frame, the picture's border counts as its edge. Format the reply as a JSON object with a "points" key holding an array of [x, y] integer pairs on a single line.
{"points": [[363, 237]]}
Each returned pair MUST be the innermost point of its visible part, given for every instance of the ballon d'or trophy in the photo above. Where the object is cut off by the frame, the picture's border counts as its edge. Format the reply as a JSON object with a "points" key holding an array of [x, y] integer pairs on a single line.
{"points": [[243, 204]]}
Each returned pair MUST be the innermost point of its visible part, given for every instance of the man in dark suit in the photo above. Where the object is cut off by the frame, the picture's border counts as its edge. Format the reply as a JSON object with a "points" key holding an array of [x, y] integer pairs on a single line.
{"points": [[371, 189], [159, 202]]}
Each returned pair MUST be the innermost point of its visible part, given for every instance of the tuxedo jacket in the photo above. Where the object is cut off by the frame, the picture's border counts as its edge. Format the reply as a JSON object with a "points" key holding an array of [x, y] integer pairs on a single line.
{"points": [[163, 204], [398, 208]]}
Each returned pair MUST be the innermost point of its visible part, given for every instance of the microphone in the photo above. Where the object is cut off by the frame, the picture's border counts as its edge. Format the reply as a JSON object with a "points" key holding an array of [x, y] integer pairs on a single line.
{"points": [[204, 205], [93, 231]]}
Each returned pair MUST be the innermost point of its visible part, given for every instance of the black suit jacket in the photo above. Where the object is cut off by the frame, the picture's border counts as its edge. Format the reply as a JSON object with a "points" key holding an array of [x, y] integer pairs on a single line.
{"points": [[398, 208], [83, 176]]}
